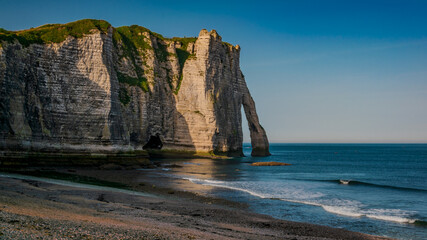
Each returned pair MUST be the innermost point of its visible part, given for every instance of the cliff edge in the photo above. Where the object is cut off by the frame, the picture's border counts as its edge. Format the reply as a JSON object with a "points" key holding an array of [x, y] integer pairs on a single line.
{"points": [[88, 87]]}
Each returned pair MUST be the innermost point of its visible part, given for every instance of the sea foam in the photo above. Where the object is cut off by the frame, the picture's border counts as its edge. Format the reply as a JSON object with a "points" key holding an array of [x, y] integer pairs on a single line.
{"points": [[280, 191]]}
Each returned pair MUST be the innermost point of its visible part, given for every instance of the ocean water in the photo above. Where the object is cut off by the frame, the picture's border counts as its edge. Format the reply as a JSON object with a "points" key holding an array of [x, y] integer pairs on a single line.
{"points": [[378, 189]]}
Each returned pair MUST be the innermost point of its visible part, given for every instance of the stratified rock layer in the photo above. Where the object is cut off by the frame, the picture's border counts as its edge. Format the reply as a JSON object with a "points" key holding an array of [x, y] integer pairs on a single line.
{"points": [[99, 93]]}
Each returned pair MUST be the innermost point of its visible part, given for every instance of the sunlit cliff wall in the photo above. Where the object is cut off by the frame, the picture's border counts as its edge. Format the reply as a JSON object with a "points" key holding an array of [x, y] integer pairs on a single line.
{"points": [[86, 86]]}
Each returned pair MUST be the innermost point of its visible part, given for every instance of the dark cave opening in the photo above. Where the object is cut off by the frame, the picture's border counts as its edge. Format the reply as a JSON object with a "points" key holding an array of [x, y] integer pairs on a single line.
{"points": [[154, 143]]}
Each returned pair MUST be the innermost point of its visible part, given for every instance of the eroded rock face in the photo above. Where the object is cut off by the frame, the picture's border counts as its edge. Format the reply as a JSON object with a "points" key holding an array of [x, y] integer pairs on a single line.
{"points": [[97, 94]]}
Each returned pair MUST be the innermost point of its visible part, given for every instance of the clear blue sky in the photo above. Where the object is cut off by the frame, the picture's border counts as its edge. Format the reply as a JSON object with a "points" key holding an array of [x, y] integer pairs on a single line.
{"points": [[319, 71]]}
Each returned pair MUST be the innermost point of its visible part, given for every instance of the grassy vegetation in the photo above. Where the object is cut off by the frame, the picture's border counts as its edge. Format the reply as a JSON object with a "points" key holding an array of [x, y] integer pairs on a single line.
{"points": [[182, 55], [131, 41], [140, 81], [227, 44], [54, 33], [178, 86], [161, 52], [168, 78], [184, 41], [124, 96], [5, 35], [182, 52]]}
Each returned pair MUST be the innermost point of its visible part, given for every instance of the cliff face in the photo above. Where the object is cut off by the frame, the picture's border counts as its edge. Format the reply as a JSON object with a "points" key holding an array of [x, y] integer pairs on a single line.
{"points": [[111, 89]]}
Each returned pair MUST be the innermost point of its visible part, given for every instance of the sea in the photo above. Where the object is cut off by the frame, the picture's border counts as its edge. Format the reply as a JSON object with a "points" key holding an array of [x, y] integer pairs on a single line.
{"points": [[379, 189]]}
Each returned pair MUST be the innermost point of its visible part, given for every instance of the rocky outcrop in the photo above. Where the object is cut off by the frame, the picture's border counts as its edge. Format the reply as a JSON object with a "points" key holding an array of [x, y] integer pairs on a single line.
{"points": [[112, 89], [270, 164]]}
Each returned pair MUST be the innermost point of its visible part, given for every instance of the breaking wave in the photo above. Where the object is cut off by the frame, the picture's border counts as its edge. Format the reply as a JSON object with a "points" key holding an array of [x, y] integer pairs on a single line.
{"points": [[349, 208], [360, 183]]}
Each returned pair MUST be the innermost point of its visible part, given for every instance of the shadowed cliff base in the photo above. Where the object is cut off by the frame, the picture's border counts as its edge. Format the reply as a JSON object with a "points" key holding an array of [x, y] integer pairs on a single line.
{"points": [[178, 154], [20, 159], [106, 160]]}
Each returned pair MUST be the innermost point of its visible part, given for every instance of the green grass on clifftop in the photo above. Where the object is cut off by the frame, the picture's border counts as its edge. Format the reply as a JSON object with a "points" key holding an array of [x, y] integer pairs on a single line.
{"points": [[182, 52], [54, 33], [131, 41], [131, 38], [133, 44]]}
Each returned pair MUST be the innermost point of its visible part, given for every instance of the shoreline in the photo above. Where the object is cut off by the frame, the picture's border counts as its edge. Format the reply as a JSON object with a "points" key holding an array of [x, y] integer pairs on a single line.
{"points": [[164, 213]]}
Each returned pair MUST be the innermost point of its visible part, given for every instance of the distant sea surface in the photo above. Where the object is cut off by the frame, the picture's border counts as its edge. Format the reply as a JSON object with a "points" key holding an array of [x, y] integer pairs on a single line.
{"points": [[378, 189]]}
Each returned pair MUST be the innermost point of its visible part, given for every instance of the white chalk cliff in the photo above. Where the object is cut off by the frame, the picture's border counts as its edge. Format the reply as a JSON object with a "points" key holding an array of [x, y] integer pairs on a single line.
{"points": [[111, 89]]}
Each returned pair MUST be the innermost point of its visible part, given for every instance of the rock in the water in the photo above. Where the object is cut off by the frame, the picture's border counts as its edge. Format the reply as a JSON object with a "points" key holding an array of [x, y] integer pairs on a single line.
{"points": [[270, 164]]}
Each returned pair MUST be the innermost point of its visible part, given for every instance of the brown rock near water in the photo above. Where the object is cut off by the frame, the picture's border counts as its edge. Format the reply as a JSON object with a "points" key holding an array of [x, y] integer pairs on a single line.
{"points": [[110, 89], [270, 164]]}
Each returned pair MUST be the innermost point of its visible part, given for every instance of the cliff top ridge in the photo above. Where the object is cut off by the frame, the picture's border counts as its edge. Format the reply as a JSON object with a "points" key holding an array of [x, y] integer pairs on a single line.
{"points": [[56, 33]]}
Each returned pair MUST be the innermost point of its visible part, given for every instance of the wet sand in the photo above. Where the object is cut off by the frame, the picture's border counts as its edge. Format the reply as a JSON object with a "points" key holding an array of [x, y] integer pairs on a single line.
{"points": [[36, 209]]}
